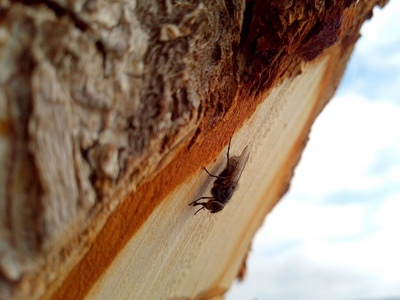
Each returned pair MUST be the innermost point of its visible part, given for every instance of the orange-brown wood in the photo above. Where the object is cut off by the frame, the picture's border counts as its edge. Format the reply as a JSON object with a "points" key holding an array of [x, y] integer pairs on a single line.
{"points": [[131, 219]]}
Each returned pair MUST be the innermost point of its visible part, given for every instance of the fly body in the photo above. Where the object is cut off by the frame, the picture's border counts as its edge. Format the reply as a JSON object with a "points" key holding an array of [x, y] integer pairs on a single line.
{"points": [[225, 183]]}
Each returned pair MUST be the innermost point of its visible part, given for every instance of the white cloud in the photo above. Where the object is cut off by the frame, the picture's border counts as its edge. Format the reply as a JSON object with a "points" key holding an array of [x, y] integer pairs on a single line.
{"points": [[317, 255], [297, 278], [373, 69], [345, 141], [394, 174], [388, 216], [311, 248], [293, 221], [381, 33]]}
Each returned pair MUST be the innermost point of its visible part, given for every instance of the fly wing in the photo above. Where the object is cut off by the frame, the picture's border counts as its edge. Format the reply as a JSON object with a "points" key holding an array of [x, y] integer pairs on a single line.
{"points": [[242, 161]]}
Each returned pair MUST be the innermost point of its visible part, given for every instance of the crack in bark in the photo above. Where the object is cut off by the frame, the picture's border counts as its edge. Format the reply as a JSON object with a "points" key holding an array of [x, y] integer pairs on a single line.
{"points": [[58, 10]]}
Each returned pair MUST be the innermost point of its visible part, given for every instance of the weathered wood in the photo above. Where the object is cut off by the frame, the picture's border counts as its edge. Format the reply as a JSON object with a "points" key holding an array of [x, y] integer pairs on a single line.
{"points": [[110, 109]]}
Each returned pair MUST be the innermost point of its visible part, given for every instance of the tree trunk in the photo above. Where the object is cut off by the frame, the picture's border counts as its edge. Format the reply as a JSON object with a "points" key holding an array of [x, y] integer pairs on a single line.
{"points": [[110, 109]]}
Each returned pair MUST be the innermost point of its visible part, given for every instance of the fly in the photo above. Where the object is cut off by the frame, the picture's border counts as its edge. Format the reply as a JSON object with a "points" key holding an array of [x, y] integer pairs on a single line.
{"points": [[225, 184]]}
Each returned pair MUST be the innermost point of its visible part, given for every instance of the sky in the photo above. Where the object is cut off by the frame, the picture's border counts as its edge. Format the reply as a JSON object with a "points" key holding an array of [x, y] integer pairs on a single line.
{"points": [[336, 233]]}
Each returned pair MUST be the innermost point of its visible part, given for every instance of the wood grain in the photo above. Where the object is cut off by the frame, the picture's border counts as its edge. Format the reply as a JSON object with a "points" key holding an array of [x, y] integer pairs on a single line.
{"points": [[109, 109], [178, 250]]}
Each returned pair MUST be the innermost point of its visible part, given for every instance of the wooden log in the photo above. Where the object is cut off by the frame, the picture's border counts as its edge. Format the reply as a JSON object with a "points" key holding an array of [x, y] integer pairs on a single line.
{"points": [[111, 109]]}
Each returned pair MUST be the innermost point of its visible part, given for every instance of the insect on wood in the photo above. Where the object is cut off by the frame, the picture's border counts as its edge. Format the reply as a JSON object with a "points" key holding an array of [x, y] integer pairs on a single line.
{"points": [[225, 183]]}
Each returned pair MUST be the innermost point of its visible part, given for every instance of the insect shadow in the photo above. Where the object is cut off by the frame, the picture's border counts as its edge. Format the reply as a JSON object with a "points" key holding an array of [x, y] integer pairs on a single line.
{"points": [[225, 183]]}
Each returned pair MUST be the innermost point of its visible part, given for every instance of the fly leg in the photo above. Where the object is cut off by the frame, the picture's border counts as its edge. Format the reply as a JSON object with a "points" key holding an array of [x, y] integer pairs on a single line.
{"points": [[204, 206], [227, 153], [194, 203], [219, 177]]}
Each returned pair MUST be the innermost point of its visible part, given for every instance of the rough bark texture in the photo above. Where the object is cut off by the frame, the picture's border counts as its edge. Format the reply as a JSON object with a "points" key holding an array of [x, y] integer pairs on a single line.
{"points": [[97, 97]]}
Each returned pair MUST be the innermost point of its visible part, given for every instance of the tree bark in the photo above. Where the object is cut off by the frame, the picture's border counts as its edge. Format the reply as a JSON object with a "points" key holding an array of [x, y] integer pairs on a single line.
{"points": [[111, 108]]}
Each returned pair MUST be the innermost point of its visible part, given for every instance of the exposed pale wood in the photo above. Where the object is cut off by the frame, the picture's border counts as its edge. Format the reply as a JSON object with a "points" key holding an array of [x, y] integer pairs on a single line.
{"points": [[191, 256], [109, 109]]}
